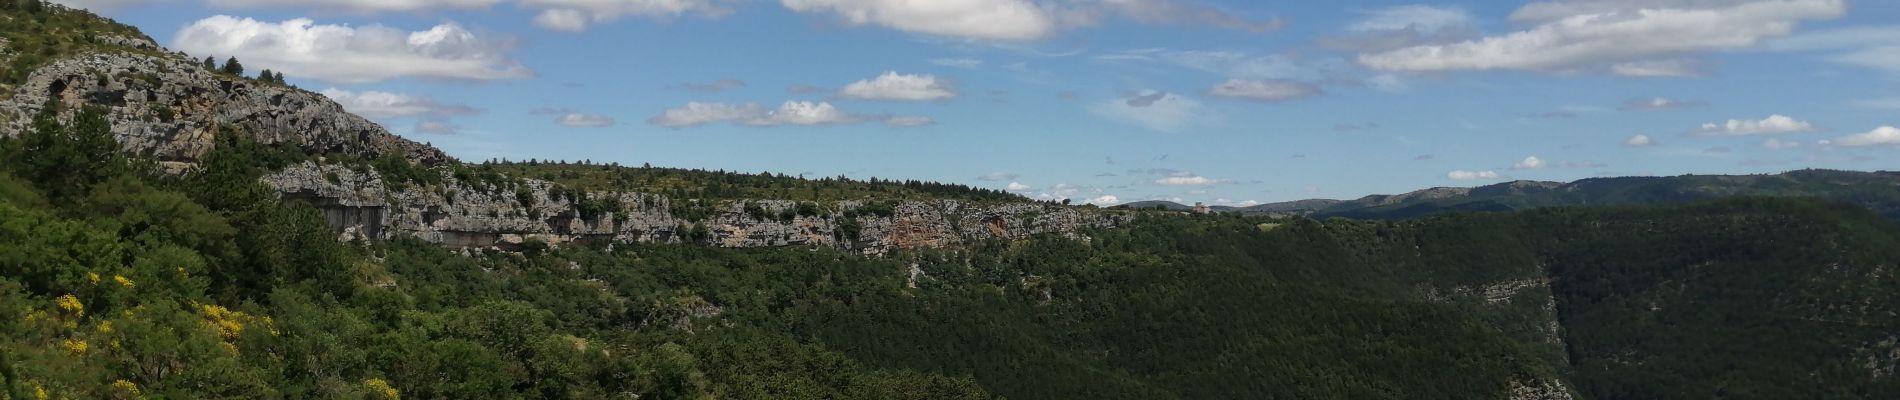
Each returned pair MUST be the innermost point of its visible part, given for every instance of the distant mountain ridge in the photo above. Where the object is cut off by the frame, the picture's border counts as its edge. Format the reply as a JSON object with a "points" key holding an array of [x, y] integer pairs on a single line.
{"points": [[1879, 191]]}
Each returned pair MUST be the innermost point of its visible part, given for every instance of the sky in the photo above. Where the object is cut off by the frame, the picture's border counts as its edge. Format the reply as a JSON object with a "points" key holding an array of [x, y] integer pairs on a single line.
{"points": [[1099, 101]]}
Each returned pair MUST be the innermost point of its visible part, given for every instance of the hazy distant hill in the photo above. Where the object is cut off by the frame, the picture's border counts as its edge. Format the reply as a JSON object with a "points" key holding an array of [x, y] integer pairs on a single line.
{"points": [[1879, 191]]}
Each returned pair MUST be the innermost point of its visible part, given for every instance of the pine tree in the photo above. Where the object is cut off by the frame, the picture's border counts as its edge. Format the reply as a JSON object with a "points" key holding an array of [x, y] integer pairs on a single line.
{"points": [[211, 63], [279, 78], [267, 76], [231, 66]]}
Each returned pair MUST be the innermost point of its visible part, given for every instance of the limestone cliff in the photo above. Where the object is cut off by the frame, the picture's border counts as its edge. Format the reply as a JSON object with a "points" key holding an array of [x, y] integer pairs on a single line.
{"points": [[166, 106], [483, 215]]}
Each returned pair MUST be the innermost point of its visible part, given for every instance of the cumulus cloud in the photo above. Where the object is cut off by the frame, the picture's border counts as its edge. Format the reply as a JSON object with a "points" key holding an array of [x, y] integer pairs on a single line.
{"points": [[345, 54], [1639, 141], [900, 87], [582, 120], [798, 113], [1104, 200], [1657, 104], [578, 15], [1773, 125], [1598, 34], [1463, 175], [1882, 136], [1270, 91], [375, 104], [1530, 163], [1018, 20], [361, 6], [1018, 187], [714, 86], [1155, 110]]}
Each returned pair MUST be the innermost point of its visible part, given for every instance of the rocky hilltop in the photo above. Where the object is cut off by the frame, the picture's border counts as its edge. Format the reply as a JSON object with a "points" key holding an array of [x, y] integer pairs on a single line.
{"points": [[167, 107], [476, 215]]}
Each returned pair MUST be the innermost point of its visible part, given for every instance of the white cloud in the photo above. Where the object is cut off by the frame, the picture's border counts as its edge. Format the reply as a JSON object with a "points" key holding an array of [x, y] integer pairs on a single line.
{"points": [[361, 6], [900, 87], [1191, 180], [1672, 68], [1271, 91], [1591, 34], [1008, 20], [345, 54], [1105, 200], [1155, 110], [1463, 175], [964, 63], [1236, 64], [1417, 17], [1018, 187], [562, 19], [1019, 20], [580, 120], [1773, 125], [578, 15], [375, 104], [1639, 141], [697, 113], [1882, 136], [1657, 104], [799, 113], [1778, 144], [1530, 163]]}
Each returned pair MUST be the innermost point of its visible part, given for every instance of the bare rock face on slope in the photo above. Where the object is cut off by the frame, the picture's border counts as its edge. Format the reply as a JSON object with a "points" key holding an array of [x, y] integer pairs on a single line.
{"points": [[167, 107], [481, 215]]}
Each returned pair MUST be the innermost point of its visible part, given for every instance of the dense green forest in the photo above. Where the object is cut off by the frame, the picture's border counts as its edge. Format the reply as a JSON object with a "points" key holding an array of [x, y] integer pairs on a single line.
{"points": [[724, 185], [118, 282]]}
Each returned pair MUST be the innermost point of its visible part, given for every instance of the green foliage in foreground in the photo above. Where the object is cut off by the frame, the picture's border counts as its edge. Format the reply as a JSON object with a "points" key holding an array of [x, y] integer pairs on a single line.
{"points": [[127, 285]]}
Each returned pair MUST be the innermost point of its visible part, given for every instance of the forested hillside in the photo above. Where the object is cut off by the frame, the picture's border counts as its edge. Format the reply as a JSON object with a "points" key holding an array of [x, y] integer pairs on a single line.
{"points": [[119, 282]]}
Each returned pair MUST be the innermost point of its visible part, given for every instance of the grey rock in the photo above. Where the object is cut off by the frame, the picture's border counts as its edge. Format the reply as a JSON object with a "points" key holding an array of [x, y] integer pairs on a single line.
{"points": [[460, 214]]}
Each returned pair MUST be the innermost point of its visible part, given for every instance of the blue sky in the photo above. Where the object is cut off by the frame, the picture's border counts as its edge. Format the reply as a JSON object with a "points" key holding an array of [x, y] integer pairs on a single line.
{"points": [[1228, 102]]}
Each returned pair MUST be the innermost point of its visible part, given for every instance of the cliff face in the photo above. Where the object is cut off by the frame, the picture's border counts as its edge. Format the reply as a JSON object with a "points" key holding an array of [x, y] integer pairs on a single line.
{"points": [[166, 107], [474, 215]]}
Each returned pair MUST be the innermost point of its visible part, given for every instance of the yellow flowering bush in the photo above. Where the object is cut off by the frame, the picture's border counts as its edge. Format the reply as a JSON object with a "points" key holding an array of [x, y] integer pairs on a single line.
{"points": [[93, 277], [74, 346], [123, 281], [126, 389], [380, 389], [71, 305]]}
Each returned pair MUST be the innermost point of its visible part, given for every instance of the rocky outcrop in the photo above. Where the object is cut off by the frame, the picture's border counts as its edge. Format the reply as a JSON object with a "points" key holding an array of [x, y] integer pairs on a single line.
{"points": [[476, 215], [1540, 390], [168, 107]]}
